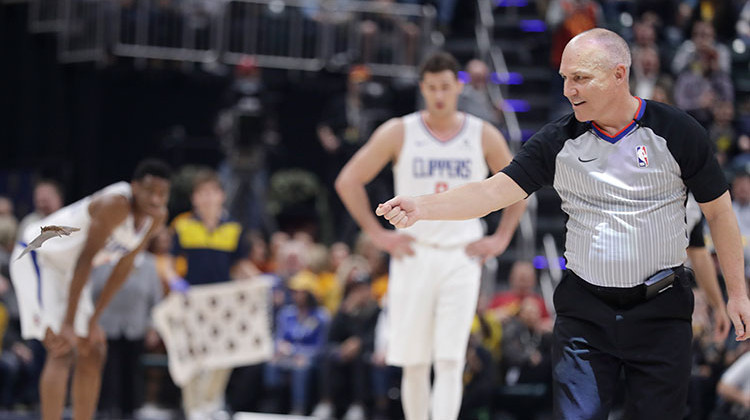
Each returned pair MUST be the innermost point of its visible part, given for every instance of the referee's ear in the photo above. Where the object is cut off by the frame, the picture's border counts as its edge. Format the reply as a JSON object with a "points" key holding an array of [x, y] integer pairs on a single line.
{"points": [[621, 75]]}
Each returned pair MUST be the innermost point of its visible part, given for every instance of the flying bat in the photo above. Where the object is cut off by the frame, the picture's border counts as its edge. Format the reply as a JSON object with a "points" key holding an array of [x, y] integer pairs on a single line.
{"points": [[47, 233]]}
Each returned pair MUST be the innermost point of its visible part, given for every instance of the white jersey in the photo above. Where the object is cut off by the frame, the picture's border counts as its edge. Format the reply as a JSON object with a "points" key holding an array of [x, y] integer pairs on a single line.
{"points": [[62, 253], [426, 165]]}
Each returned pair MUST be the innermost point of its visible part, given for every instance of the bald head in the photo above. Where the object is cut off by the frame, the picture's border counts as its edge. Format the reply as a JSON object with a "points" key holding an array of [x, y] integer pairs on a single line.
{"points": [[612, 49]]}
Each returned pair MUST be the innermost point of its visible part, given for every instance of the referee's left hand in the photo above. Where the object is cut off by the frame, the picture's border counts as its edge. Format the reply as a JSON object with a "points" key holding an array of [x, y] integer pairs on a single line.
{"points": [[486, 248]]}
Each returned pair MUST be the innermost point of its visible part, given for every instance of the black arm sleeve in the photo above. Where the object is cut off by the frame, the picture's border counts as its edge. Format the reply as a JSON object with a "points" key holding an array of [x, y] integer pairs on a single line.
{"points": [[534, 166], [691, 148]]}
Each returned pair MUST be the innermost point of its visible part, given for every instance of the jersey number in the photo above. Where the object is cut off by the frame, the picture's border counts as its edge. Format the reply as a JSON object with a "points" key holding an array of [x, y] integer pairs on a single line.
{"points": [[441, 186]]}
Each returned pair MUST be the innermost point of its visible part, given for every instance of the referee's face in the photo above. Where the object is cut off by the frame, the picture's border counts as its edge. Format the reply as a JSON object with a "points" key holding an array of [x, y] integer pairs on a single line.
{"points": [[588, 81]]}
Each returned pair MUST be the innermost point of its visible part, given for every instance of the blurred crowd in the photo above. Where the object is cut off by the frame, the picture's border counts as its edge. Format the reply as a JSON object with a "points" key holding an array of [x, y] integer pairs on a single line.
{"points": [[329, 293]]}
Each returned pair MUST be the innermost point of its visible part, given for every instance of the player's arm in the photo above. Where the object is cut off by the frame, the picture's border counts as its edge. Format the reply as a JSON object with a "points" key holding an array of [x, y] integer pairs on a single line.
{"points": [[123, 267], [498, 156], [725, 234], [380, 149], [106, 212]]}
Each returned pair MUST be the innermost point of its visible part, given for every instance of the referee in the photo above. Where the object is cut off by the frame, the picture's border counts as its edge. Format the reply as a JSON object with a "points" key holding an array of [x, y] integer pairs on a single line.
{"points": [[622, 166]]}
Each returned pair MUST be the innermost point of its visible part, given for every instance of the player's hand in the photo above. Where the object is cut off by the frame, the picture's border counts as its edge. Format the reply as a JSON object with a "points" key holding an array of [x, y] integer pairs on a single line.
{"points": [[179, 285], [96, 334], [401, 211], [486, 248], [95, 343], [62, 343], [739, 313], [395, 243]]}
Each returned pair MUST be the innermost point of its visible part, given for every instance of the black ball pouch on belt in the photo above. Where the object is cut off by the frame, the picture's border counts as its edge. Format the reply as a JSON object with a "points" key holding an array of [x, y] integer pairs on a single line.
{"points": [[663, 280]]}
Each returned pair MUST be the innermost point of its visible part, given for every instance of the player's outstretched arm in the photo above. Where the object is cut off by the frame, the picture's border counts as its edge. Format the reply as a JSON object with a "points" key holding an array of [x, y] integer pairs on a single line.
{"points": [[469, 201], [726, 237], [107, 212]]}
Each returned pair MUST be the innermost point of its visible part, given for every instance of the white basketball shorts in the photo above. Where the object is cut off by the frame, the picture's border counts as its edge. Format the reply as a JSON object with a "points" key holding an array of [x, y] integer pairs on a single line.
{"points": [[432, 299], [42, 294]]}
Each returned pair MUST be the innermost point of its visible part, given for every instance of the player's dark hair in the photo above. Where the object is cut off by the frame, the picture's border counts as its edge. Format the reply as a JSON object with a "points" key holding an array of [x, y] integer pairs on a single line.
{"points": [[438, 62], [154, 167]]}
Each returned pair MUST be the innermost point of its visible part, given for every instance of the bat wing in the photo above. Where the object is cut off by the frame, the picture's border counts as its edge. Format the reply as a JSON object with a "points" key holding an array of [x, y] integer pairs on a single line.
{"points": [[67, 230], [47, 233]]}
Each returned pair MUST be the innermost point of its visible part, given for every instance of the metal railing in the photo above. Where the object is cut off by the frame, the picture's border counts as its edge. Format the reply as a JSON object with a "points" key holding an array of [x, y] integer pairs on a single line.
{"points": [[493, 55], [311, 34], [46, 16], [83, 39], [287, 34], [184, 31]]}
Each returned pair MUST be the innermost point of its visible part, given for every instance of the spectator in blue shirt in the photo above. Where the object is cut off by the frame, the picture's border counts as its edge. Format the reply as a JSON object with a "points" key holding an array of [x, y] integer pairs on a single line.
{"points": [[300, 336]]}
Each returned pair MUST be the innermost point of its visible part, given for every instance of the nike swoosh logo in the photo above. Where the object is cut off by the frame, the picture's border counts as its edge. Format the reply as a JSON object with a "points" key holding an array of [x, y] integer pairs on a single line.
{"points": [[586, 160]]}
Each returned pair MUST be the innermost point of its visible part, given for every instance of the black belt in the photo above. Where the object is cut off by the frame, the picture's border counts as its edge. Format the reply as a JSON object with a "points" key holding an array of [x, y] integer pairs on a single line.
{"points": [[625, 297]]}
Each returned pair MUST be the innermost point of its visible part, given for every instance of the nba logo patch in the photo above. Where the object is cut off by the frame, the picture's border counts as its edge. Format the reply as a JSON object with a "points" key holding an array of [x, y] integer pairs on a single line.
{"points": [[642, 155]]}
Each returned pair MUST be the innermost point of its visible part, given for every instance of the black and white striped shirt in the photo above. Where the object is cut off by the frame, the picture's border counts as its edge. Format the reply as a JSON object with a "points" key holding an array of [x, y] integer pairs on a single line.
{"points": [[624, 195]]}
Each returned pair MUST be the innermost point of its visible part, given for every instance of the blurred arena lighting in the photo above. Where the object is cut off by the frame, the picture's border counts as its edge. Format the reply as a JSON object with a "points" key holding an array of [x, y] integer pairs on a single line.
{"points": [[511, 3], [739, 46], [498, 78], [516, 105], [626, 19], [276, 6], [509, 78], [533, 25], [437, 38], [540, 262]]}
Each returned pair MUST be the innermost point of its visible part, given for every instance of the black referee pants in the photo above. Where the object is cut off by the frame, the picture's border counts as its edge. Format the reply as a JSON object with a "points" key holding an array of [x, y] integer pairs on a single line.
{"points": [[595, 340]]}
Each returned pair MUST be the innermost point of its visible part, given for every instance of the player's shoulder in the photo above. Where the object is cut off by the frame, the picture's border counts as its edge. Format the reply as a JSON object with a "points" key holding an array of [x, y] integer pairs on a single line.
{"points": [[487, 128], [113, 200], [394, 125], [490, 135], [390, 132]]}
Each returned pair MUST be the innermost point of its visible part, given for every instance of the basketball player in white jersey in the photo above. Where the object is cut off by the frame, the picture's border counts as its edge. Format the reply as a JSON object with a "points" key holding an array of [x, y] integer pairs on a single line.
{"points": [[52, 287], [435, 265]]}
